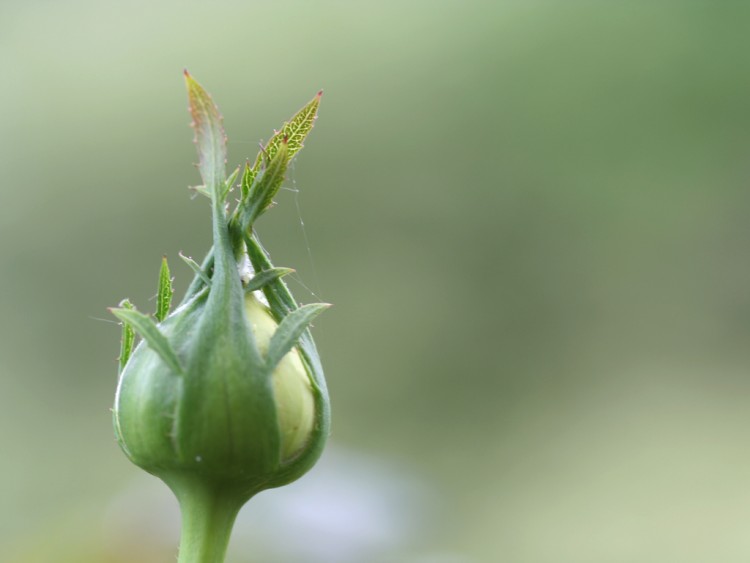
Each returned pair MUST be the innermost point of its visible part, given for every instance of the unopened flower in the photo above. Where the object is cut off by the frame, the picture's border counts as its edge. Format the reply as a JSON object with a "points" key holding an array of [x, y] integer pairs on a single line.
{"points": [[224, 396]]}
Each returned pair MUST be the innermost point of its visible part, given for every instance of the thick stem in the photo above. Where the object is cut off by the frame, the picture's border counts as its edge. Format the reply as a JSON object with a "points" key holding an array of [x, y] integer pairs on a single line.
{"points": [[208, 515]]}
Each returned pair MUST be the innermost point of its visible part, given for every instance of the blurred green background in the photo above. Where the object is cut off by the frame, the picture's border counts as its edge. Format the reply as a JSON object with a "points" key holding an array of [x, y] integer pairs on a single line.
{"points": [[532, 218]]}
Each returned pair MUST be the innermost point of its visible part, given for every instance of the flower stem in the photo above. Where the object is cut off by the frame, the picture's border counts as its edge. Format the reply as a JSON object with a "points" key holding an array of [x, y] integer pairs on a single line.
{"points": [[208, 515]]}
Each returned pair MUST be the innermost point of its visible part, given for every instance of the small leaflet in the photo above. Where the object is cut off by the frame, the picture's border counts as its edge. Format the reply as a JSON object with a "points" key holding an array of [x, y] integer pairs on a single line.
{"points": [[164, 295], [292, 133], [266, 186]]}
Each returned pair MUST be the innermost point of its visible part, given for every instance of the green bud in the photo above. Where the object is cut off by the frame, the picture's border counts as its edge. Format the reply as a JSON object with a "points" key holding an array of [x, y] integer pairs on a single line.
{"points": [[224, 396], [219, 417]]}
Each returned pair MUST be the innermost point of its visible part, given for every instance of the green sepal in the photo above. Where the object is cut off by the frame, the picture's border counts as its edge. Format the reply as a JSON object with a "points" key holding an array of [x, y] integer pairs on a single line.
{"points": [[200, 272], [279, 297], [265, 187], [147, 329], [128, 337], [289, 331], [202, 278], [294, 131], [261, 279], [202, 190], [210, 138], [164, 295], [281, 302], [229, 183]]}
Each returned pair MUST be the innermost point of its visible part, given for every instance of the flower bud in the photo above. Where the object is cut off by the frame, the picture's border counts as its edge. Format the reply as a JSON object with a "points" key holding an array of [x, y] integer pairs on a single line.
{"points": [[225, 395], [217, 417]]}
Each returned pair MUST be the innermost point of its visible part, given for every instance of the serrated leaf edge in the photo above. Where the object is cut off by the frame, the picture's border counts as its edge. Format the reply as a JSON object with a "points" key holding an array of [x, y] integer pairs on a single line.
{"points": [[165, 292]]}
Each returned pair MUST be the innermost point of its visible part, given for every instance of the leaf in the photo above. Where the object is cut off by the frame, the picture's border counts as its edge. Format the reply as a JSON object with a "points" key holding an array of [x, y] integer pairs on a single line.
{"points": [[289, 331], [196, 268], [293, 131], [164, 296], [128, 337], [265, 187], [265, 277], [147, 329], [248, 176], [210, 138]]}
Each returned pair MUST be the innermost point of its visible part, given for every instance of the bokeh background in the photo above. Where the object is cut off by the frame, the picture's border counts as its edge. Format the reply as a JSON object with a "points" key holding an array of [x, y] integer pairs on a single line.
{"points": [[532, 218]]}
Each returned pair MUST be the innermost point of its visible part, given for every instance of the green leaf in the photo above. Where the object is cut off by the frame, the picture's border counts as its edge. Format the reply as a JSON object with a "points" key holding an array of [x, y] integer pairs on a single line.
{"points": [[210, 139], [128, 337], [147, 329], [265, 277], [164, 296], [248, 176], [292, 133], [289, 331], [265, 187], [196, 268]]}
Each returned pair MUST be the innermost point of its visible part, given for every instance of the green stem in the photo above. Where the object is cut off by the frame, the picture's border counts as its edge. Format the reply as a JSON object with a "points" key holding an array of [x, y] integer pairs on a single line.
{"points": [[208, 515], [225, 269]]}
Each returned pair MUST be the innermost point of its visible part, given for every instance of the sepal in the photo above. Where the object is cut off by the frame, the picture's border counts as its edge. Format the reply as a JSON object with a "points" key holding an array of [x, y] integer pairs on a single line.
{"points": [[290, 330], [147, 329], [263, 278], [210, 138], [199, 272], [128, 337]]}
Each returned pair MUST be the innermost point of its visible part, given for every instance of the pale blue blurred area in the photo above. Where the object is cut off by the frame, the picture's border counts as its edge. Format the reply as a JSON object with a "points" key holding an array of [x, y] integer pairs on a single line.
{"points": [[532, 218], [349, 508]]}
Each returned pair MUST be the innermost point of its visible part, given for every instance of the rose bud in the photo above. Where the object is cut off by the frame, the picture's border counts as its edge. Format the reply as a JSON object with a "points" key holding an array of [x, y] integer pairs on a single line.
{"points": [[224, 396]]}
